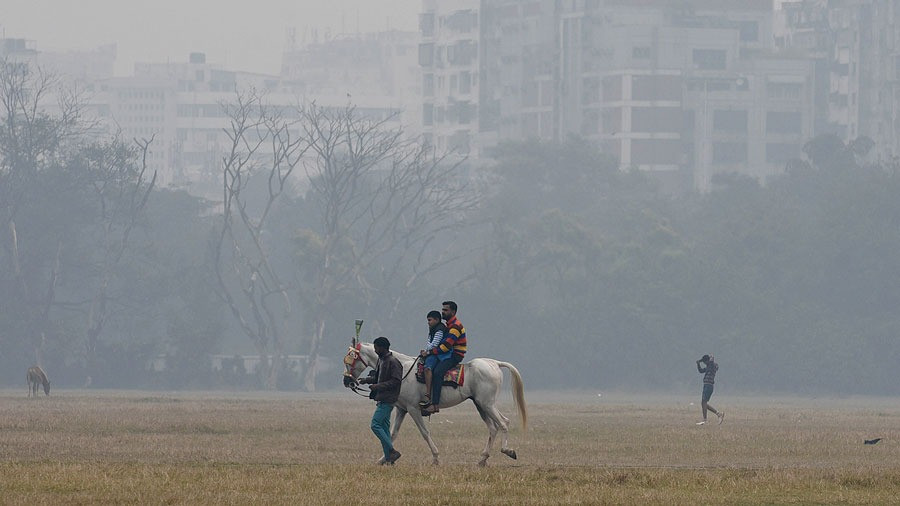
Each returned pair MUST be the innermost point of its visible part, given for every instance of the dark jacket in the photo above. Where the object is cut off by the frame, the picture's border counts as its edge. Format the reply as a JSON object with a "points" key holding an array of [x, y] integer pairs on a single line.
{"points": [[386, 378], [440, 327], [708, 371]]}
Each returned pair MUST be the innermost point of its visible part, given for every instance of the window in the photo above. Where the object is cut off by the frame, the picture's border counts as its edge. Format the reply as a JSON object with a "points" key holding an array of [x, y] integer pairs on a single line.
{"points": [[784, 122], [546, 119], [612, 88], [640, 53], [659, 87], [461, 21], [784, 91], [465, 82], [428, 85], [530, 94], [427, 114], [611, 120], [729, 152], [426, 24], [547, 93], [730, 121], [459, 142], [656, 119], [781, 152], [709, 59], [426, 55], [749, 31], [466, 112], [655, 151]]}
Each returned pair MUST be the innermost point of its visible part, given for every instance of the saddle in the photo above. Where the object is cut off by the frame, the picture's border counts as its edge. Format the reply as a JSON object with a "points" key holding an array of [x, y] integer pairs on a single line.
{"points": [[453, 378]]}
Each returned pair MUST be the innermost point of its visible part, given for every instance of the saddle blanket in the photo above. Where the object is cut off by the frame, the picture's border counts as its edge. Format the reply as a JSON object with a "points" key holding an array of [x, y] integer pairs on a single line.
{"points": [[454, 377]]}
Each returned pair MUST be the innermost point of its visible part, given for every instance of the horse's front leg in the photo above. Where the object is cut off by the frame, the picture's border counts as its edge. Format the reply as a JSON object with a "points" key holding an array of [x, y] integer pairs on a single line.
{"points": [[420, 423]]}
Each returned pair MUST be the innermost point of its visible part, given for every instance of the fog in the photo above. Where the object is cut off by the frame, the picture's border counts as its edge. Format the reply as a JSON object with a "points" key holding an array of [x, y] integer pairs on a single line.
{"points": [[608, 189], [240, 37]]}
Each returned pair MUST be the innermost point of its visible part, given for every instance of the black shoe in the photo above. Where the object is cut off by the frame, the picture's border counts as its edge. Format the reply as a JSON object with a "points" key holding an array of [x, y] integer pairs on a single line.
{"points": [[393, 457]]}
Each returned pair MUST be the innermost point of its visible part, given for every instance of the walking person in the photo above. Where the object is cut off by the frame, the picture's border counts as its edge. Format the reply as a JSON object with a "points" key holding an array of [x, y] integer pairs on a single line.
{"points": [[384, 388], [708, 369]]}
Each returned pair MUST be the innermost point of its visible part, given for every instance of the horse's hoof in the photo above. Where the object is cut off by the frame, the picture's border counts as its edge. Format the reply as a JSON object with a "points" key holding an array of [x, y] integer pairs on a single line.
{"points": [[510, 453], [482, 463]]}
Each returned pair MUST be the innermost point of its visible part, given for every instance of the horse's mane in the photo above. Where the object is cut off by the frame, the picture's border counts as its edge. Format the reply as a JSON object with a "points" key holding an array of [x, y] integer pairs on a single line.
{"points": [[400, 356], [38, 373]]}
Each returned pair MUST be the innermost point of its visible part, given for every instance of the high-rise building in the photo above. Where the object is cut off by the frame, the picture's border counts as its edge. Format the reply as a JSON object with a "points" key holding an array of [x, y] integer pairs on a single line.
{"points": [[183, 107], [449, 55], [684, 89], [377, 67], [855, 45]]}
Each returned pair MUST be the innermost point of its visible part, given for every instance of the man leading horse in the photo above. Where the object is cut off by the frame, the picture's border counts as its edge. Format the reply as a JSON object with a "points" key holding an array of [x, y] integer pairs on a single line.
{"points": [[484, 377]]}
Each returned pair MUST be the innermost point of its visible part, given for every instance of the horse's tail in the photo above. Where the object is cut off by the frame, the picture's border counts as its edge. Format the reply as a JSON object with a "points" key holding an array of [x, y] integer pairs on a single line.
{"points": [[518, 390]]}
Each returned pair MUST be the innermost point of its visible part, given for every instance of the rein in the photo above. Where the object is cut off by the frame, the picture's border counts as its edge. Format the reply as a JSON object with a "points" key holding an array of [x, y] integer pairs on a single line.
{"points": [[357, 356], [416, 361], [359, 391]]}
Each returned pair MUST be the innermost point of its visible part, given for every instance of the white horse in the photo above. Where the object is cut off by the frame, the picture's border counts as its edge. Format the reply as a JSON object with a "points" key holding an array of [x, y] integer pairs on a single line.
{"points": [[481, 384]]}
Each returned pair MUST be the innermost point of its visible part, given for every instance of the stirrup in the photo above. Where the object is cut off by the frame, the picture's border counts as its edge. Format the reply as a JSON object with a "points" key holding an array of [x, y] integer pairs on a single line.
{"points": [[424, 404]]}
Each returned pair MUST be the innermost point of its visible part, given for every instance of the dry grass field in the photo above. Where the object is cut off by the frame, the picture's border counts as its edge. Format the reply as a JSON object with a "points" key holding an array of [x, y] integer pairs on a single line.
{"points": [[97, 447]]}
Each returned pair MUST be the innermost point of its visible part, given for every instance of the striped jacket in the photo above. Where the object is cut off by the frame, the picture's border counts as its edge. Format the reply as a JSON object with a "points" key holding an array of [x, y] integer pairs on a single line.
{"points": [[456, 338]]}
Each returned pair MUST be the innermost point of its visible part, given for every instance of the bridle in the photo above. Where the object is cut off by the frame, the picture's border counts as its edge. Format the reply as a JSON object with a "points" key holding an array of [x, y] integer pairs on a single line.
{"points": [[354, 355]]}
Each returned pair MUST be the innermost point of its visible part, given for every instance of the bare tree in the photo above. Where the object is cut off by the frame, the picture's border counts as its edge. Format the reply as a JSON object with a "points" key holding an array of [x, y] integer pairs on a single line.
{"points": [[384, 200], [62, 183], [263, 143], [120, 185], [32, 142]]}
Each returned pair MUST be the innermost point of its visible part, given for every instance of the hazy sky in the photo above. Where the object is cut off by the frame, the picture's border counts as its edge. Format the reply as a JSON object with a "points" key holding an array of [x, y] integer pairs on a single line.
{"points": [[242, 38]]}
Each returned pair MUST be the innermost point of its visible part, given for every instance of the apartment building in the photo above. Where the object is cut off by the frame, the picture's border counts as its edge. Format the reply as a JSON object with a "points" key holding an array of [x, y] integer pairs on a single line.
{"points": [[682, 89], [695, 90], [450, 61], [381, 67], [182, 108], [855, 45]]}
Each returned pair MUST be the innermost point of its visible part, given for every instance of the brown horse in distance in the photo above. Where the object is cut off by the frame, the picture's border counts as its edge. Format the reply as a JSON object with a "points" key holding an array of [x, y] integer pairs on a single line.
{"points": [[35, 378]]}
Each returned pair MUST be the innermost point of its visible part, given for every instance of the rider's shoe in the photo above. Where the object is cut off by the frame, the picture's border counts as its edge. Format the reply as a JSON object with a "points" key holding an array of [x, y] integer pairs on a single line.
{"points": [[393, 458], [702, 422]]}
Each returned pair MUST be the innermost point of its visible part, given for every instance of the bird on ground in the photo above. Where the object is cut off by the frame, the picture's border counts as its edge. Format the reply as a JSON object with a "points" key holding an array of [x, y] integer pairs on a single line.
{"points": [[872, 441]]}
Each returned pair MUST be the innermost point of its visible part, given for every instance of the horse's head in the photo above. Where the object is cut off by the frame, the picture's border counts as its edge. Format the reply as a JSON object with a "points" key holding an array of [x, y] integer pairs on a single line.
{"points": [[354, 364], [47, 387]]}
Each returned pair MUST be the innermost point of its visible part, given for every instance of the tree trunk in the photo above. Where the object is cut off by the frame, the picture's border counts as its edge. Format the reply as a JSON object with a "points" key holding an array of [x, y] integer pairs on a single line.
{"points": [[312, 359]]}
